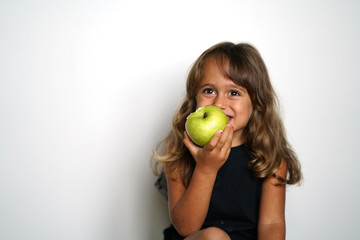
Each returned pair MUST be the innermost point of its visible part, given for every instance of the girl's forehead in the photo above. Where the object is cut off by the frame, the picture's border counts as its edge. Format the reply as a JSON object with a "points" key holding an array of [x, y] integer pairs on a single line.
{"points": [[222, 66], [213, 64]]}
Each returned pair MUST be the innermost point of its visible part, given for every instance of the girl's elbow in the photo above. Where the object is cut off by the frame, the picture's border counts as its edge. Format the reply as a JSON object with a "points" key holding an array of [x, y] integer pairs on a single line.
{"points": [[185, 229]]}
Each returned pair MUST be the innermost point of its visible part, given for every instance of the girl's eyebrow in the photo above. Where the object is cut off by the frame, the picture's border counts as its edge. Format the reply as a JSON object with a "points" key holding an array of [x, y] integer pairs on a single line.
{"points": [[229, 85], [237, 87], [206, 85], [233, 85]]}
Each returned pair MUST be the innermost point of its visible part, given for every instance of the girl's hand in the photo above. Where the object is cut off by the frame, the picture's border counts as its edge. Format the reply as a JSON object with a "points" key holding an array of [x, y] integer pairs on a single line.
{"points": [[213, 155]]}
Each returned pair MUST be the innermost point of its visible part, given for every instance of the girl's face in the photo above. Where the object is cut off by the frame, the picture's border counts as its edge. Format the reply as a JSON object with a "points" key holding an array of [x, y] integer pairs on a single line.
{"points": [[216, 89]]}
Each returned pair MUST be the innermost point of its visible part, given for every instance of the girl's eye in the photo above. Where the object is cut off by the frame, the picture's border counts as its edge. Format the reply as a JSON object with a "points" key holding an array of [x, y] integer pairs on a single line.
{"points": [[208, 91], [234, 93]]}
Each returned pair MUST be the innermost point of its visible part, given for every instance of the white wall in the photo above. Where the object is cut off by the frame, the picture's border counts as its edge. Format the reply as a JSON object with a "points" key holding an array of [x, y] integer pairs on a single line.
{"points": [[87, 89]]}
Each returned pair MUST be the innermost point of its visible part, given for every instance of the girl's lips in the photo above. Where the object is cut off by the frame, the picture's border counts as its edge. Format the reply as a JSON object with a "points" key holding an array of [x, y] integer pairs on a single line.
{"points": [[229, 117]]}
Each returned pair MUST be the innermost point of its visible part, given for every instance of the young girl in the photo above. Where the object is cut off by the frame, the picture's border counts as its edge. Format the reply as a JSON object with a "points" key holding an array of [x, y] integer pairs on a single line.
{"points": [[233, 187]]}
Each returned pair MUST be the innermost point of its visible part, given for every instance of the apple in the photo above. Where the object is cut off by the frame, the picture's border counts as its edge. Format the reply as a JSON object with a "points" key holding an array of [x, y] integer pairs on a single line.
{"points": [[202, 124]]}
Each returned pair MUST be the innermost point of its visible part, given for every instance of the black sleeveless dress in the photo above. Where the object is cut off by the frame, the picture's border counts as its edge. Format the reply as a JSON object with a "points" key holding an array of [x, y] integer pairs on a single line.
{"points": [[234, 204]]}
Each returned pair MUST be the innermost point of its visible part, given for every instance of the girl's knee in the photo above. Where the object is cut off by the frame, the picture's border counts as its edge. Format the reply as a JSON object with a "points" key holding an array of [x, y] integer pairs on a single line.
{"points": [[210, 233], [214, 233]]}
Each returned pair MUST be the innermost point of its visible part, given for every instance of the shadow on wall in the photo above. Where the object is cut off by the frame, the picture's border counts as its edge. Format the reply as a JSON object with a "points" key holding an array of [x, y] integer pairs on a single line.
{"points": [[158, 215], [157, 207]]}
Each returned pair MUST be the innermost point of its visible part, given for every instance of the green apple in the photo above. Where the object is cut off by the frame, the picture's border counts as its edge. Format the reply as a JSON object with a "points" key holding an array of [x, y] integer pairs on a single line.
{"points": [[202, 124]]}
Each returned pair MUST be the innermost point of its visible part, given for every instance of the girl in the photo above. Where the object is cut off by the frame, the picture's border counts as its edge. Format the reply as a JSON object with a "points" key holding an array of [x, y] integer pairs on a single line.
{"points": [[233, 187]]}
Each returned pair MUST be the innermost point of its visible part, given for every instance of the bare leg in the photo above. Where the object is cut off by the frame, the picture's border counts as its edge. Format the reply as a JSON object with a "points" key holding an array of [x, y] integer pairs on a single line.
{"points": [[211, 233]]}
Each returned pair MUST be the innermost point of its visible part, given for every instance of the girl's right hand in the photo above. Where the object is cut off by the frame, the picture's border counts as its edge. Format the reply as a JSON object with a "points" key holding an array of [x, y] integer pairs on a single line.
{"points": [[213, 155]]}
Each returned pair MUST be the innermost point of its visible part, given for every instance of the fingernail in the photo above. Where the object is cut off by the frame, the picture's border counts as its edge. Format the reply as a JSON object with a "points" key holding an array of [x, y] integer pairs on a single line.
{"points": [[221, 131]]}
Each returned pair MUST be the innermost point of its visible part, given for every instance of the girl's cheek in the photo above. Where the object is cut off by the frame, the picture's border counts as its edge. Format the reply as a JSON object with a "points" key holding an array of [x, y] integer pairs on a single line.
{"points": [[204, 102]]}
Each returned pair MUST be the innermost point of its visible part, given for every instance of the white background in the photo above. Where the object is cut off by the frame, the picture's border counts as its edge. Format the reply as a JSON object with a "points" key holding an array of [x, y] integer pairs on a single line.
{"points": [[88, 88]]}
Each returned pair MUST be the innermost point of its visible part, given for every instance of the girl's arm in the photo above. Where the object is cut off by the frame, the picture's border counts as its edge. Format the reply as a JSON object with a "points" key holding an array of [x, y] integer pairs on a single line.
{"points": [[271, 224], [189, 206]]}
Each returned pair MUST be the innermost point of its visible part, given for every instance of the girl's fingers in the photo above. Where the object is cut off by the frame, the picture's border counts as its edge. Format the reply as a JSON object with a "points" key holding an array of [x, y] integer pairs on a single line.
{"points": [[214, 140], [218, 147], [220, 138], [225, 138]]}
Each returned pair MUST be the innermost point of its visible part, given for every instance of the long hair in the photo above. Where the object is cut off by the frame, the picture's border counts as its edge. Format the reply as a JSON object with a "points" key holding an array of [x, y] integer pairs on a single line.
{"points": [[264, 133]]}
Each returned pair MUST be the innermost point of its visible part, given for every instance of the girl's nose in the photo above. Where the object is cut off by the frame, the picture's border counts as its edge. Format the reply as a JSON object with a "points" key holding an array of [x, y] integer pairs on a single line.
{"points": [[220, 102]]}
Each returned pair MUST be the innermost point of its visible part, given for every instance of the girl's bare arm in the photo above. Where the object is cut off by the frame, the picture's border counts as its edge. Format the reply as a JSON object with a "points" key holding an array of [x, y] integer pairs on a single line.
{"points": [[272, 208], [189, 206]]}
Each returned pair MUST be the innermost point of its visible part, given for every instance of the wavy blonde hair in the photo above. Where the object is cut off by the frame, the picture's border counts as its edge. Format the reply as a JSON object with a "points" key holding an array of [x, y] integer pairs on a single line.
{"points": [[265, 136]]}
